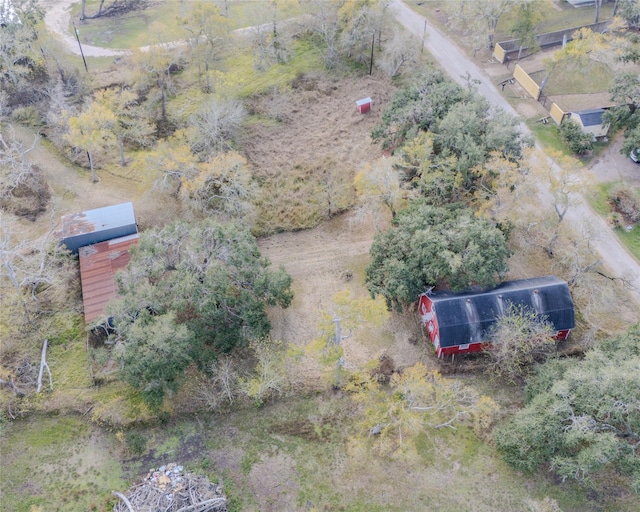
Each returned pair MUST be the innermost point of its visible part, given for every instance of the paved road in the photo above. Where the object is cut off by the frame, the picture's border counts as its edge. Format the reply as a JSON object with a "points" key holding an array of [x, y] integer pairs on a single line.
{"points": [[618, 261]]}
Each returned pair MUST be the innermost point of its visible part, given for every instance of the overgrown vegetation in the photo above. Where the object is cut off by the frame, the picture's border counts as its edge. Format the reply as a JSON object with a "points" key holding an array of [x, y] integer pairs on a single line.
{"points": [[190, 337]]}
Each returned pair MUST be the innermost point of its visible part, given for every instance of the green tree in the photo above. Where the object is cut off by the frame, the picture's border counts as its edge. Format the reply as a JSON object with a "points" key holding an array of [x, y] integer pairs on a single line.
{"points": [[582, 417], [625, 92], [156, 352], [416, 107], [175, 161], [93, 130], [208, 279], [480, 17], [22, 64], [629, 11], [129, 125], [434, 246], [209, 33], [155, 66], [528, 16], [573, 136]]}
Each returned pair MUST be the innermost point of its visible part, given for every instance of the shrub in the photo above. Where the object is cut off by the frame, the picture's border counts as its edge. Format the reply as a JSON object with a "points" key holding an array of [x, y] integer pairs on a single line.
{"points": [[626, 203], [573, 136]]}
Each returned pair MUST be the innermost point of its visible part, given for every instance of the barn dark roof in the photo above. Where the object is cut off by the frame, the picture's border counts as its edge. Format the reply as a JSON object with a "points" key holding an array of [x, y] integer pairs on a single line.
{"points": [[591, 117], [466, 317], [98, 266]]}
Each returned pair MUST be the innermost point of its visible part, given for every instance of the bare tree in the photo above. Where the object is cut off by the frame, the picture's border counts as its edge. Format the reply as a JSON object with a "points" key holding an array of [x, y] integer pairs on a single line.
{"points": [[29, 266], [402, 49], [518, 339], [115, 7], [217, 124], [223, 185], [22, 190]]}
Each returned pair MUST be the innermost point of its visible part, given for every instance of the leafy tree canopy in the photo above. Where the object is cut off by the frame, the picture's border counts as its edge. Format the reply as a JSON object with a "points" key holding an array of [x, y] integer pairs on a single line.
{"points": [[449, 140], [582, 417], [431, 246], [189, 293]]}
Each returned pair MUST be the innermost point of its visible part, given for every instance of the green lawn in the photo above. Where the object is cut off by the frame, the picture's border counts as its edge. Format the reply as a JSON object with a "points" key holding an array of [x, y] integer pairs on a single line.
{"points": [[578, 78], [132, 29], [299, 454], [558, 15]]}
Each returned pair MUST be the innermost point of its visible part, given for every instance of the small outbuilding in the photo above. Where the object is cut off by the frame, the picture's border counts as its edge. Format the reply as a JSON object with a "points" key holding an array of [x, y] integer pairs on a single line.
{"points": [[99, 225], [590, 121], [98, 266], [461, 322], [364, 105]]}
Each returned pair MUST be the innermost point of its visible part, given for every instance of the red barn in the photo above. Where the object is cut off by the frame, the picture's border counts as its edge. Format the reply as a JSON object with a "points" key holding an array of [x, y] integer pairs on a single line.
{"points": [[459, 322]]}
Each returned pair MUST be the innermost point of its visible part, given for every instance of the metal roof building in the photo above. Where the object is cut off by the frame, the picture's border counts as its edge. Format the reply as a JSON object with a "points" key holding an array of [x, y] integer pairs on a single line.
{"points": [[98, 266], [99, 225], [462, 322]]}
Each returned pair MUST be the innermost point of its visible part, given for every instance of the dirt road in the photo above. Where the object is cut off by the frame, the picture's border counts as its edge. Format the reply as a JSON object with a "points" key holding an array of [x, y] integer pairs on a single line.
{"points": [[57, 18], [615, 257]]}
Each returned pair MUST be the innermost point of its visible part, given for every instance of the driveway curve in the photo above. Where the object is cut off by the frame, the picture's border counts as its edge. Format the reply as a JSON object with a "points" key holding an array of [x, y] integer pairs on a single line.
{"points": [[56, 19]]}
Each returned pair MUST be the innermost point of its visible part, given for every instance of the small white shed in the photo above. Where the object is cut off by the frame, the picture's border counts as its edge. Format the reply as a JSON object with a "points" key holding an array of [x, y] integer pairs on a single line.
{"points": [[591, 121]]}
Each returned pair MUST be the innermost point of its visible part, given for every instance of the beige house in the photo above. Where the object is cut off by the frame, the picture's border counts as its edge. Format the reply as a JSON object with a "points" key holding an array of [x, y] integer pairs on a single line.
{"points": [[590, 121]]}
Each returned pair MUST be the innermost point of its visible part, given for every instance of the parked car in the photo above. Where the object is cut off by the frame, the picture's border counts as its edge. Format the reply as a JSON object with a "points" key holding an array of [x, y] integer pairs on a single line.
{"points": [[635, 155]]}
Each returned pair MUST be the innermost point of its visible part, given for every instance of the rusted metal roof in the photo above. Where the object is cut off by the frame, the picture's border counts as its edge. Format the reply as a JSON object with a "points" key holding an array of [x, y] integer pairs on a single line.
{"points": [[98, 266]]}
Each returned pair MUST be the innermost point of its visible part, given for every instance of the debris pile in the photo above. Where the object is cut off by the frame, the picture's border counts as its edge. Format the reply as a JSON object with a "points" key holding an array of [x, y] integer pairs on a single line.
{"points": [[172, 489]]}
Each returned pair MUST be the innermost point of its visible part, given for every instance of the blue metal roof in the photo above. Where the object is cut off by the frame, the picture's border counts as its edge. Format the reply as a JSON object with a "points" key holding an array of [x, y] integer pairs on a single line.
{"points": [[591, 117], [99, 225], [467, 317]]}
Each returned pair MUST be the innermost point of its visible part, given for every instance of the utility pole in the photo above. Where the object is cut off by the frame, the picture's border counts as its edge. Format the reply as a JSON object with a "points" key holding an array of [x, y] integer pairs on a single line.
{"points": [[80, 46], [373, 42]]}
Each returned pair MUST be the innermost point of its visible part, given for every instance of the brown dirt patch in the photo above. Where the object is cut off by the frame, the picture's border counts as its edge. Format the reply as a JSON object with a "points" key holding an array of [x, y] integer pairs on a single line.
{"points": [[274, 484], [307, 144], [320, 121]]}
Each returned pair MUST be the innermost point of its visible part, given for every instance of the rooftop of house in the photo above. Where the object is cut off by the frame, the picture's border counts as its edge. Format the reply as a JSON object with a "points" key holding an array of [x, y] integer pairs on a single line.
{"points": [[591, 117]]}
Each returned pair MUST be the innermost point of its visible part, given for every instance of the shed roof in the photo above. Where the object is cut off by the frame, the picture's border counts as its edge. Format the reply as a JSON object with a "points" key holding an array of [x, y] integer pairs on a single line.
{"points": [[467, 317], [581, 3], [98, 266], [591, 117], [100, 219]]}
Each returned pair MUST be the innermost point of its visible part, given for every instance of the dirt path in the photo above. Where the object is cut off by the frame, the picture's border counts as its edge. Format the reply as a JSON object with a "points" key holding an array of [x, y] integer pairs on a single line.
{"points": [[57, 19], [320, 261]]}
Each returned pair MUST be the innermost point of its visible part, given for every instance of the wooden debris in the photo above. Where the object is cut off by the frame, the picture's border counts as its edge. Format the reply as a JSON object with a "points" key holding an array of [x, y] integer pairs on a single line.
{"points": [[172, 489]]}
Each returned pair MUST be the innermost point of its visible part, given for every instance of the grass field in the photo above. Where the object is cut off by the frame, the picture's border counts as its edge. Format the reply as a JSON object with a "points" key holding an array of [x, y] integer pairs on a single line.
{"points": [[297, 455], [132, 29]]}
